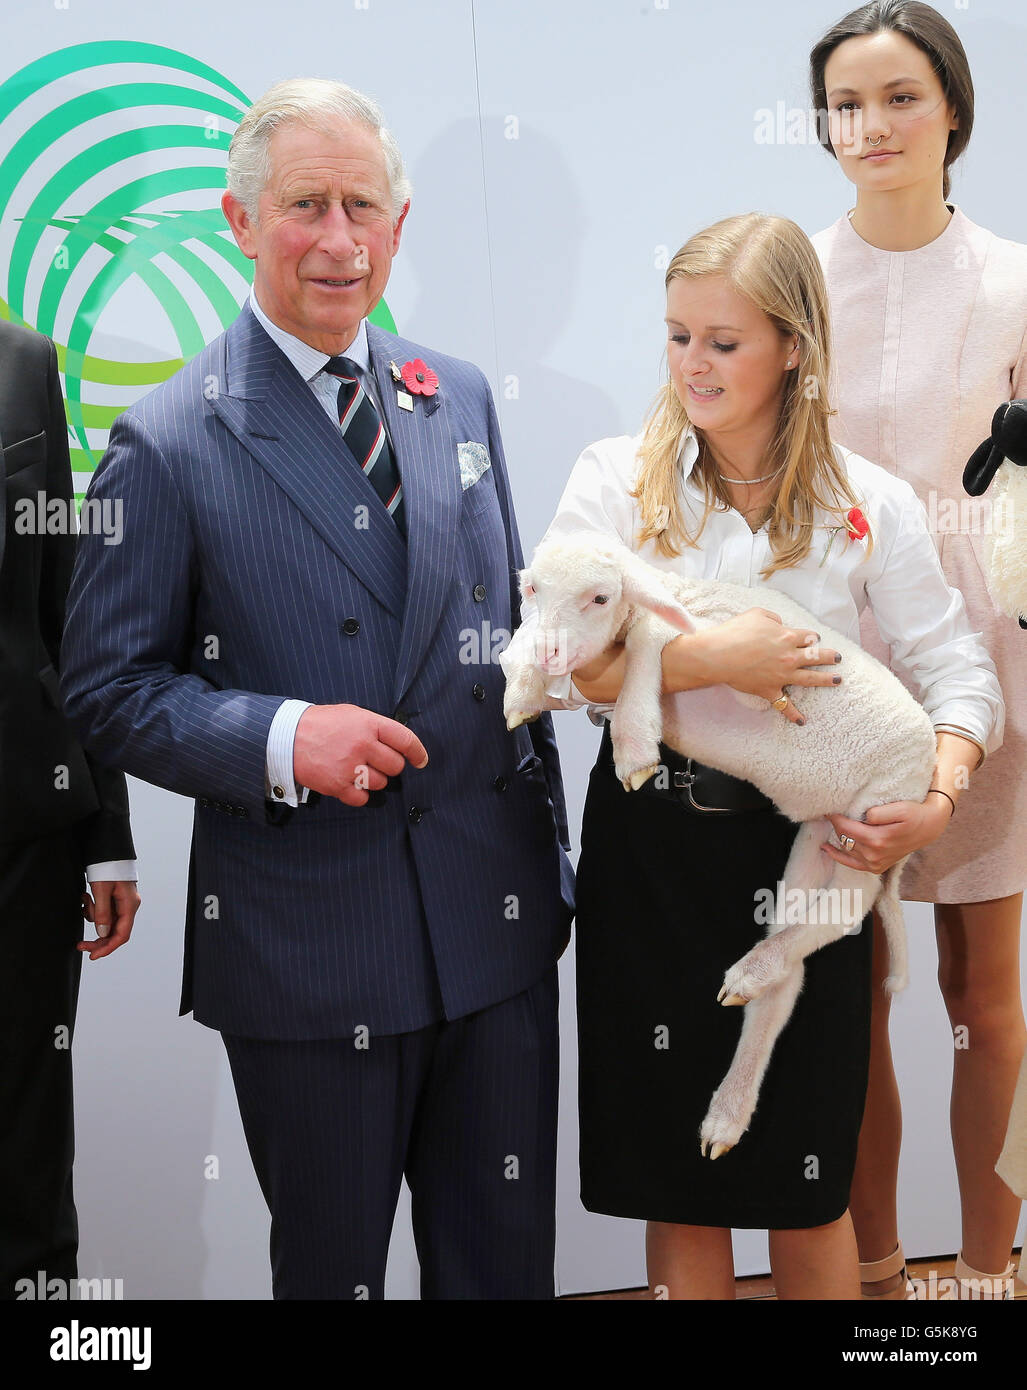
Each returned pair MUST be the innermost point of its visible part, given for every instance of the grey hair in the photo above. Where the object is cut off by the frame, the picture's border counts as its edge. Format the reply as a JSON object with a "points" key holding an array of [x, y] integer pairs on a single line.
{"points": [[320, 104]]}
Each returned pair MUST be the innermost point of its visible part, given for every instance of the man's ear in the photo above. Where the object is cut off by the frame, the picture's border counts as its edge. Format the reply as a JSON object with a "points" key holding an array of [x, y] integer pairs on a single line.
{"points": [[398, 228], [239, 220]]}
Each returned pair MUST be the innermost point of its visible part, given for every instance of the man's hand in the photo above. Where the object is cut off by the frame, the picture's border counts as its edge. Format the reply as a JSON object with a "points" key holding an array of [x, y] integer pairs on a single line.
{"points": [[346, 752], [112, 910]]}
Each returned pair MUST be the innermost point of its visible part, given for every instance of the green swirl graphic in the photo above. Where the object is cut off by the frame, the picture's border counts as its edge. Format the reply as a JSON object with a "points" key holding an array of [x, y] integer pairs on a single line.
{"points": [[121, 224]]}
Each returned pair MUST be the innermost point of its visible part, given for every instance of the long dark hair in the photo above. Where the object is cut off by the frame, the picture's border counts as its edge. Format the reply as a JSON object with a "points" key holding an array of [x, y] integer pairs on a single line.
{"points": [[932, 34]]}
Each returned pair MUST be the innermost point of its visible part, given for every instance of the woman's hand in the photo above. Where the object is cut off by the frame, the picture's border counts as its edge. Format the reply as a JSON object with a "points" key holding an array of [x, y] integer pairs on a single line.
{"points": [[756, 654], [889, 833], [753, 652]]}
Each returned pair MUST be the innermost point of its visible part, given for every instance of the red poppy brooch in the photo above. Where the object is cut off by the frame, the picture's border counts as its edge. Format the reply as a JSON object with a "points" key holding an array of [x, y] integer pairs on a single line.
{"points": [[417, 377], [856, 528]]}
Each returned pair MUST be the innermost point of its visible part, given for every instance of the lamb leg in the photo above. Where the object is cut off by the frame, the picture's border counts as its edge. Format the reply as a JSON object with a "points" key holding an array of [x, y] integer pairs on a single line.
{"points": [[637, 720], [525, 696], [832, 900], [735, 1098]]}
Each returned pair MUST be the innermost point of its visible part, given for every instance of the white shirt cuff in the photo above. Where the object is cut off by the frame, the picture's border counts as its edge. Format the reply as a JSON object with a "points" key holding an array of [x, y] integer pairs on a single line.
{"points": [[563, 693], [963, 732], [113, 871], [279, 777]]}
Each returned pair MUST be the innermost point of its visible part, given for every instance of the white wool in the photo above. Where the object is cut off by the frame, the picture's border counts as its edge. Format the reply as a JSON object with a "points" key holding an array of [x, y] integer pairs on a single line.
{"points": [[1007, 548], [866, 742]]}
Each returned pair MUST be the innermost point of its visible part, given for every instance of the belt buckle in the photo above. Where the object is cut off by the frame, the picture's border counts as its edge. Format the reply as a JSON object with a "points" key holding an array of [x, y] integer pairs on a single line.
{"points": [[685, 780]]}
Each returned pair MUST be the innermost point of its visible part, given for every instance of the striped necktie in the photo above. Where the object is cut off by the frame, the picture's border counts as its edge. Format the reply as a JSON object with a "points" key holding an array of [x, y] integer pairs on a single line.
{"points": [[365, 434]]}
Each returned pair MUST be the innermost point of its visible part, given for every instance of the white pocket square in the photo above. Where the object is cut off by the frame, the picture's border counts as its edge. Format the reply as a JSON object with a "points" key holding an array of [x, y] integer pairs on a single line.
{"points": [[474, 460]]}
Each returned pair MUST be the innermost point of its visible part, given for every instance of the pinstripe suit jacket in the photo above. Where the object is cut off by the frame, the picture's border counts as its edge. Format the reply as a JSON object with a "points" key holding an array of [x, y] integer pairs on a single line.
{"points": [[252, 548]]}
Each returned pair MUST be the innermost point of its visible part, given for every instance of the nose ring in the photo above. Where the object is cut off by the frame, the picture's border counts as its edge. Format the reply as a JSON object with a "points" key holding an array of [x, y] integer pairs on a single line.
{"points": [[876, 142]]}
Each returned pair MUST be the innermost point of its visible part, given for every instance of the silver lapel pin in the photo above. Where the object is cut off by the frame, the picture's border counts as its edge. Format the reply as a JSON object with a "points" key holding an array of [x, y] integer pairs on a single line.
{"points": [[403, 399]]}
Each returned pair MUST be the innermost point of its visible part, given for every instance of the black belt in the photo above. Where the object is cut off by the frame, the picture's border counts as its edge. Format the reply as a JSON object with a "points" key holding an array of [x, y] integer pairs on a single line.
{"points": [[693, 785]]}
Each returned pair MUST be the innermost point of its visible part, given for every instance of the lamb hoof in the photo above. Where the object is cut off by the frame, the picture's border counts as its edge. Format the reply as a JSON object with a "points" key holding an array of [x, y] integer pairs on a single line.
{"points": [[724, 1125], [638, 778], [756, 971], [520, 716]]}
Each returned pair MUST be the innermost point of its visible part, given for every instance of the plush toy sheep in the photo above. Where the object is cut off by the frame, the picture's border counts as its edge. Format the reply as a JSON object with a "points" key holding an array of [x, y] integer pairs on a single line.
{"points": [[865, 742], [1004, 458]]}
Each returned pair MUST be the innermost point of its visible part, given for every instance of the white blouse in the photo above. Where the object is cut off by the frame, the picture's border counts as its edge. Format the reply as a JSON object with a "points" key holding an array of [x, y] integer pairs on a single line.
{"points": [[921, 617]]}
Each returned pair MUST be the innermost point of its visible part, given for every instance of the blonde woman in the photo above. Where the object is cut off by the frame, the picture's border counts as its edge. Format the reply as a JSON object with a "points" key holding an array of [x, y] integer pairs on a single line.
{"points": [[929, 317], [735, 477]]}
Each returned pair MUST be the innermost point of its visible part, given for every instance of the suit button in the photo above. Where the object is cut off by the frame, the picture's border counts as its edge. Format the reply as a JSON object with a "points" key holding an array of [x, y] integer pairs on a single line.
{"points": [[402, 716], [478, 691], [479, 593], [351, 627], [415, 814], [499, 783]]}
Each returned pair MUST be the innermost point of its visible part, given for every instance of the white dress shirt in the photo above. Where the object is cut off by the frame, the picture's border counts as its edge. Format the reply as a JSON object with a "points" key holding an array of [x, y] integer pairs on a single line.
{"points": [[113, 871], [922, 618], [279, 778]]}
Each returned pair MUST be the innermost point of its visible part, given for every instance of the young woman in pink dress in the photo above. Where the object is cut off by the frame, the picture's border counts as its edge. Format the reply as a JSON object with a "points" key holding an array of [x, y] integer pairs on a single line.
{"points": [[929, 313]]}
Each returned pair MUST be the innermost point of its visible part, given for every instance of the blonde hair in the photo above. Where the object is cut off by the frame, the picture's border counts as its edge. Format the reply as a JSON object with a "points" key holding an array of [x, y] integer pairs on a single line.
{"points": [[770, 261]]}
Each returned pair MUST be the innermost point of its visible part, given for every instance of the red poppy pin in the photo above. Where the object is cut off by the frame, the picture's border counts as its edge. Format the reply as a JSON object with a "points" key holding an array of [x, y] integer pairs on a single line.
{"points": [[856, 528], [418, 378]]}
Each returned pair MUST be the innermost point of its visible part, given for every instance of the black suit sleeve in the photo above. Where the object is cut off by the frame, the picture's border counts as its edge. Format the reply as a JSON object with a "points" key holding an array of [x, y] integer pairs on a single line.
{"points": [[106, 834]]}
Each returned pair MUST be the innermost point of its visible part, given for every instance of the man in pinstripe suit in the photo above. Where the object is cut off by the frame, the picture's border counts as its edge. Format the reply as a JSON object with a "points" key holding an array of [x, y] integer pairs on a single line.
{"points": [[378, 889]]}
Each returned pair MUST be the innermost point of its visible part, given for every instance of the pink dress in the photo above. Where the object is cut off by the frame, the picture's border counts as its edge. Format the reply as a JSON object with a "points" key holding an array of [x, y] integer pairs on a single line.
{"points": [[927, 344]]}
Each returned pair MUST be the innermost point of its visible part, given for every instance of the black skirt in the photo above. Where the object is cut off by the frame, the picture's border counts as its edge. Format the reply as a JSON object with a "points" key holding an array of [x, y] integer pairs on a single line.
{"points": [[665, 904]]}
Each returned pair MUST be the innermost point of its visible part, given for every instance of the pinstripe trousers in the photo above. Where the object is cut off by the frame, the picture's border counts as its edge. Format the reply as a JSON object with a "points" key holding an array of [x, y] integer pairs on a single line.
{"points": [[465, 1109]]}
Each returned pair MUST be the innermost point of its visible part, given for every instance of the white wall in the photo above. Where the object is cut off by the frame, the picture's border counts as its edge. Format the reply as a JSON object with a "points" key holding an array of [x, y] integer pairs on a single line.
{"points": [[536, 257]]}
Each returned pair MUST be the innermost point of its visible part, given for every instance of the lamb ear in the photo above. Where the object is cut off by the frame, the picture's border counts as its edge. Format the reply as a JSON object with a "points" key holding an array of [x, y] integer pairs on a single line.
{"points": [[1008, 441], [983, 464], [642, 586]]}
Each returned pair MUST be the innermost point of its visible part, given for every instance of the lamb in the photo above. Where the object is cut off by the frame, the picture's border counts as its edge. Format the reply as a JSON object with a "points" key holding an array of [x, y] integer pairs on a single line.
{"points": [[865, 742]]}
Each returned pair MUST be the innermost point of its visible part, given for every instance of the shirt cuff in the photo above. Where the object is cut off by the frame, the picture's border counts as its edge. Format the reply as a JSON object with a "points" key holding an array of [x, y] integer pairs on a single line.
{"points": [[963, 733], [113, 871], [279, 778], [562, 693]]}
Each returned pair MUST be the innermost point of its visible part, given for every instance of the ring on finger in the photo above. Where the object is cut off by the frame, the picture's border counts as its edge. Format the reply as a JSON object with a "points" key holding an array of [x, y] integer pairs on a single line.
{"points": [[781, 702], [848, 843]]}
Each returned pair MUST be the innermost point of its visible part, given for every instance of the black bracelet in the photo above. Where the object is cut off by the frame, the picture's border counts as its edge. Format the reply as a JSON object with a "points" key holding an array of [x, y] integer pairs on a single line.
{"points": [[946, 796]]}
